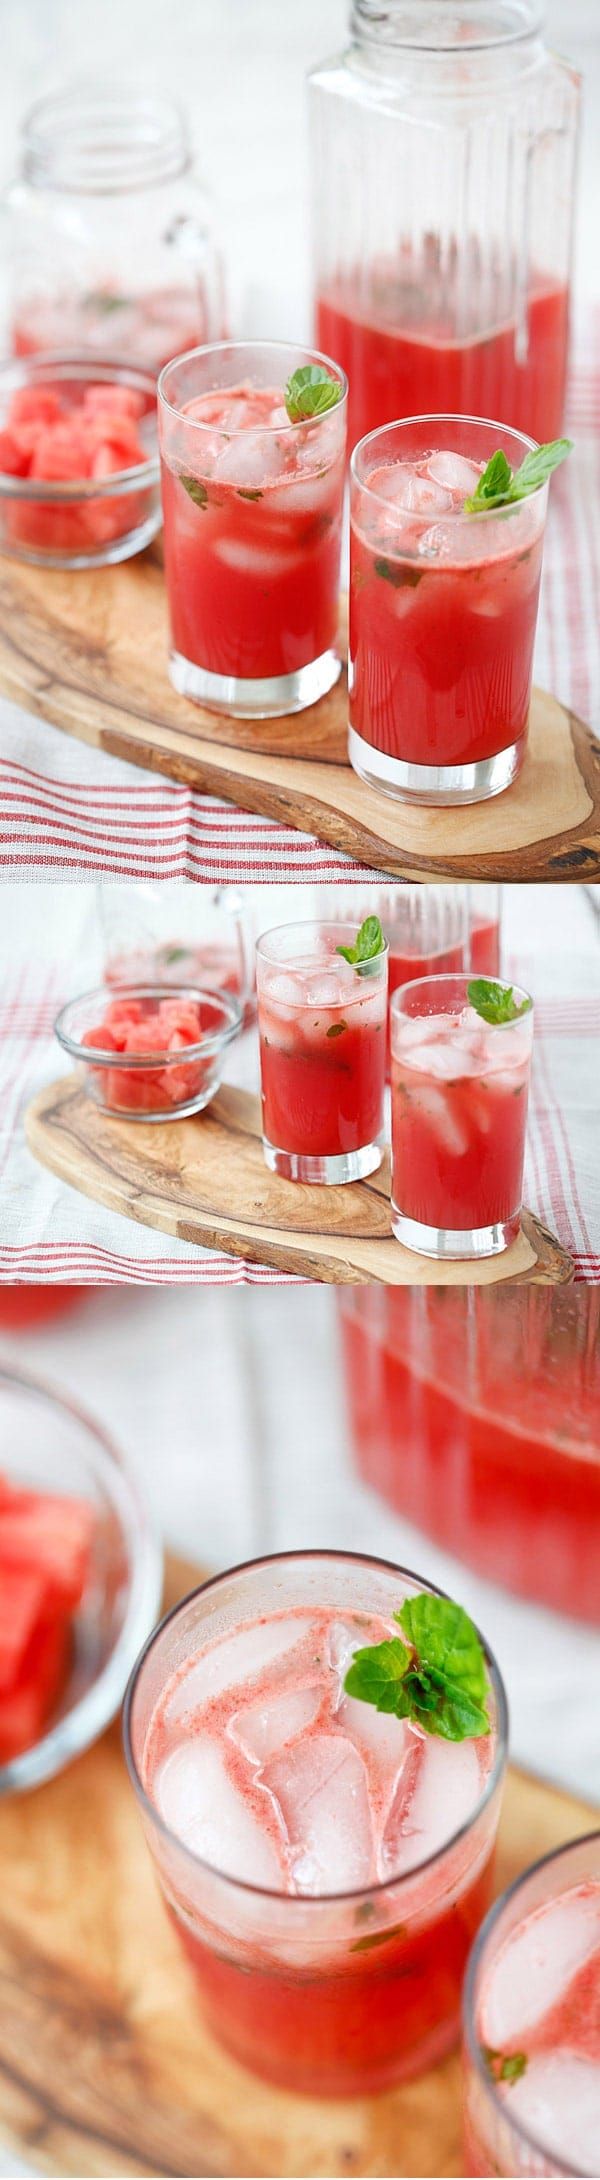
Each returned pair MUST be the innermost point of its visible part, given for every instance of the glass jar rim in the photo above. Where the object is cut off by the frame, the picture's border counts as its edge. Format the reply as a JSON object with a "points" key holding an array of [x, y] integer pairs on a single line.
{"points": [[61, 152], [373, 22], [450, 514], [474, 2050], [381, 1886], [458, 976], [228, 348], [98, 1056]]}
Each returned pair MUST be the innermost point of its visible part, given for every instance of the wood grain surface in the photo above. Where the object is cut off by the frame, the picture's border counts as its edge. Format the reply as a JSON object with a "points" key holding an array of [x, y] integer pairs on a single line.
{"points": [[105, 2065], [88, 651], [204, 1179]]}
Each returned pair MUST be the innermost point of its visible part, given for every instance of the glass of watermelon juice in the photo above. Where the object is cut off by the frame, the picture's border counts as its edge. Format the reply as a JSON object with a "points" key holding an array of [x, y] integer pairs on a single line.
{"points": [[252, 517], [322, 1029], [443, 610], [460, 1085], [325, 1866], [150, 1052], [532, 2022]]}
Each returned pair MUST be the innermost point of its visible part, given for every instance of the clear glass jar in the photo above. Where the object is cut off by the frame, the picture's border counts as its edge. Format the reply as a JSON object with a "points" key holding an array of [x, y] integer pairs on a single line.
{"points": [[443, 163], [107, 233], [475, 1415], [178, 934]]}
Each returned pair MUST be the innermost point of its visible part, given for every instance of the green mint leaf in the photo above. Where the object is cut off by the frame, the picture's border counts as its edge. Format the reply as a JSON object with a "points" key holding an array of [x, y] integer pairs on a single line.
{"points": [[196, 490], [504, 2066], [495, 1002], [310, 392], [170, 954], [397, 573], [336, 1029], [500, 486], [368, 944], [494, 483], [437, 1676], [102, 301], [247, 495], [538, 466], [379, 1937], [376, 1675], [446, 1640]]}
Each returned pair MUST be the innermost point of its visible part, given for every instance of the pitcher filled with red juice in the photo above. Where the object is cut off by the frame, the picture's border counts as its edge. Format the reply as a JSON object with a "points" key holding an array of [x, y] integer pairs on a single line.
{"points": [[475, 1414], [442, 158]]}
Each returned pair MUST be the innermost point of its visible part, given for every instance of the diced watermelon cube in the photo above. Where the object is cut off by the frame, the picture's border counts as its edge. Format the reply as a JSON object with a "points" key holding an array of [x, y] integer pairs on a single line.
{"points": [[14, 460], [182, 1018], [24, 1599], [51, 1535], [27, 1707], [103, 1038], [116, 401], [60, 455], [34, 404]]}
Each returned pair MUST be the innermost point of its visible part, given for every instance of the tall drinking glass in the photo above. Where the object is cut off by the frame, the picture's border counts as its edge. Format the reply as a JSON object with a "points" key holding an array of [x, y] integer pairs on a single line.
{"points": [[328, 1936]]}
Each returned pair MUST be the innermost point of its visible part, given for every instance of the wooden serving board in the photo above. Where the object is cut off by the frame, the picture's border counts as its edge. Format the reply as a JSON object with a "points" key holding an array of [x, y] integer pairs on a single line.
{"points": [[106, 2067], [185, 1177], [88, 651]]}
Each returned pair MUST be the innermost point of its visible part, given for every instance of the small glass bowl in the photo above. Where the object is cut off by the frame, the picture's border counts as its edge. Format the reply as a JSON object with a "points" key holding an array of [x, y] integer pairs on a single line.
{"points": [[84, 522], [151, 1086], [49, 1444]]}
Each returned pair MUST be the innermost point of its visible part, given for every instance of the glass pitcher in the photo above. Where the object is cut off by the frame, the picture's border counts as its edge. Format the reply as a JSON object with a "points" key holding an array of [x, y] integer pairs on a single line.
{"points": [[474, 1413], [443, 163], [108, 239]]}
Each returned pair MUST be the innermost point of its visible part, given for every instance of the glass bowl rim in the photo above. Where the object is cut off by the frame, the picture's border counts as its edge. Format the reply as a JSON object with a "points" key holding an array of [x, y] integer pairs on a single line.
{"points": [[214, 348], [62, 364], [450, 514], [472, 2046], [381, 1886], [98, 1056], [94, 1710]]}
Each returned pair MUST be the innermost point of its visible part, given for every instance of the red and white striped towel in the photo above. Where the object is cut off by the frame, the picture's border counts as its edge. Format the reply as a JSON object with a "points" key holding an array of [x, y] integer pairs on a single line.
{"points": [[68, 809], [50, 1232]]}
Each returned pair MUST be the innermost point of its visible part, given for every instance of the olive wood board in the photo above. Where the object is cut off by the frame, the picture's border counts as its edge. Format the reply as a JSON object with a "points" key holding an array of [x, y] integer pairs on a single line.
{"points": [[87, 650], [106, 2067], [184, 1176]]}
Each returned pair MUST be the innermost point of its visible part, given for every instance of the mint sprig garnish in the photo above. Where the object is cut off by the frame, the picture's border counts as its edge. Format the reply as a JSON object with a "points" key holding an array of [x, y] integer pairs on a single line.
{"points": [[504, 2066], [495, 1002], [310, 392], [501, 486], [437, 1676], [368, 943], [195, 489]]}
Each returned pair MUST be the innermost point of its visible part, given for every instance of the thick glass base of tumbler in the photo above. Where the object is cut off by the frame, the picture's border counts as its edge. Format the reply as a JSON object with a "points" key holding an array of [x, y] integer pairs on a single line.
{"points": [[445, 1244], [435, 784], [272, 698], [326, 1172]]}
